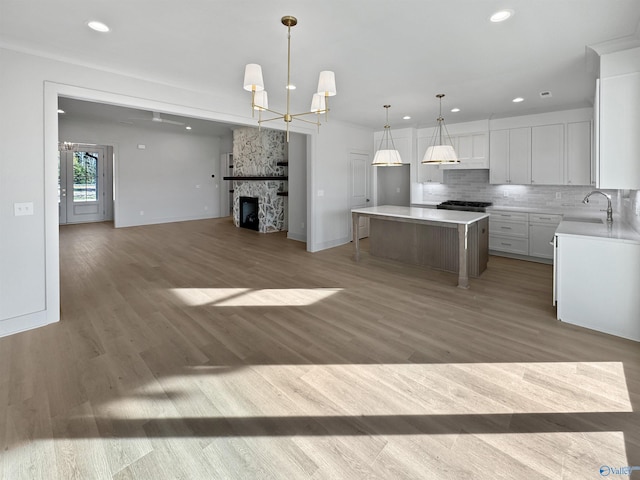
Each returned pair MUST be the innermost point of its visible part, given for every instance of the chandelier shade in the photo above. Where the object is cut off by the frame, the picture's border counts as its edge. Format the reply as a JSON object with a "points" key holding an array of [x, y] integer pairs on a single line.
{"points": [[254, 83], [387, 155], [261, 101], [441, 149], [253, 78], [327, 83], [318, 104]]}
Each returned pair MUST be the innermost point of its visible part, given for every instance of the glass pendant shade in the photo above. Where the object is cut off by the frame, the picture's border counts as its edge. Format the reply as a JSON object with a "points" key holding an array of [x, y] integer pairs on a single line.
{"points": [[387, 158], [440, 154], [327, 83], [253, 77], [261, 101]]}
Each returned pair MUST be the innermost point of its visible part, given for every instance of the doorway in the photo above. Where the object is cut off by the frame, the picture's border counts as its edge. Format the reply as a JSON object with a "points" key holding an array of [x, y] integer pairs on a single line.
{"points": [[359, 189], [85, 184]]}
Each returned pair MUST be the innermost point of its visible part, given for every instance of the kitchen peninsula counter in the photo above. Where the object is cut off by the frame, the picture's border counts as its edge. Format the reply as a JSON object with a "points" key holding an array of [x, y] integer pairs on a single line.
{"points": [[450, 240]]}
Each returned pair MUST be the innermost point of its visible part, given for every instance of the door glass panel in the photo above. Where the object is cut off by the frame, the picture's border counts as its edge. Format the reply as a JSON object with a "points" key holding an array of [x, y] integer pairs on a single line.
{"points": [[85, 178]]}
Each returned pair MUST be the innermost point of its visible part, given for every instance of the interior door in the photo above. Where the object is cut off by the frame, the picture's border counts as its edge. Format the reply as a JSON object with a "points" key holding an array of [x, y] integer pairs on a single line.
{"points": [[82, 193], [359, 187]]}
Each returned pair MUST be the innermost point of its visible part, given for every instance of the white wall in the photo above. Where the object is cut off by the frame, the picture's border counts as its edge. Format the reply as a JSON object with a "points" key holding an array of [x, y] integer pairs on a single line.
{"points": [[169, 180], [29, 87], [329, 191]]}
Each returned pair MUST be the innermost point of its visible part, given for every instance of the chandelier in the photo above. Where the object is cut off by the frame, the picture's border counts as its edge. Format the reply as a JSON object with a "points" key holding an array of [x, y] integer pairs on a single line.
{"points": [[254, 83], [387, 155], [67, 146], [440, 149]]}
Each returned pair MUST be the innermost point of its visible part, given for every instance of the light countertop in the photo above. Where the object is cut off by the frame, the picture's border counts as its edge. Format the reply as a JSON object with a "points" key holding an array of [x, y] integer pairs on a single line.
{"points": [[619, 231], [422, 214]]}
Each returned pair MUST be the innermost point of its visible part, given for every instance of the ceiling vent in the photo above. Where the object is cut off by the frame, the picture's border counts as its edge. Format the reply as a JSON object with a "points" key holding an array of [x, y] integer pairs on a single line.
{"points": [[546, 94]]}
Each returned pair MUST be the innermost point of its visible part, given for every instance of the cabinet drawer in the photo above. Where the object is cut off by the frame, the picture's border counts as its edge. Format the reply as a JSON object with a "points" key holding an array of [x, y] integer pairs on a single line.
{"points": [[543, 219], [507, 244], [512, 229], [509, 216]]}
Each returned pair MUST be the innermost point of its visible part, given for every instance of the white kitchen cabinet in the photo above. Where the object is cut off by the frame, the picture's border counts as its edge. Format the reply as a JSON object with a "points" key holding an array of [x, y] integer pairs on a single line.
{"points": [[542, 229], [472, 150], [547, 154], [595, 286], [427, 173], [618, 126], [578, 164], [510, 156], [509, 232]]}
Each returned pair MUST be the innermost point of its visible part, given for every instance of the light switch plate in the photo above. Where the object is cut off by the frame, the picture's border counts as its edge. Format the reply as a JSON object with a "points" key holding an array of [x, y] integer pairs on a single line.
{"points": [[21, 209]]}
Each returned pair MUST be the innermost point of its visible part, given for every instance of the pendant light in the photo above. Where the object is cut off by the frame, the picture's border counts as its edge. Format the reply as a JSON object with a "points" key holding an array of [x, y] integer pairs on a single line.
{"points": [[387, 155], [441, 149]]}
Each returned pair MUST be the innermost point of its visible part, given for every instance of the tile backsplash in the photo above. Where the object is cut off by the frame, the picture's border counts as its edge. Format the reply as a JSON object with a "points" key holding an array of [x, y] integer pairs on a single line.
{"points": [[474, 185]]}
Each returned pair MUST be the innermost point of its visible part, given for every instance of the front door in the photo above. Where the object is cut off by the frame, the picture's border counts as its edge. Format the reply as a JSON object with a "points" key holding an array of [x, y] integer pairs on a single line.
{"points": [[358, 185], [82, 187]]}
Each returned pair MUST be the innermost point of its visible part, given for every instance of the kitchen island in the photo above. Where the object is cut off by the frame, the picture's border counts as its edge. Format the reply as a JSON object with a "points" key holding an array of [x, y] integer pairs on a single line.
{"points": [[450, 240]]}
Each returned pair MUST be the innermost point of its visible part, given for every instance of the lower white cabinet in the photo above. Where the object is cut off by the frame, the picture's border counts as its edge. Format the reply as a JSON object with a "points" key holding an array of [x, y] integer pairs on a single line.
{"points": [[508, 232], [542, 229], [524, 234], [595, 286]]}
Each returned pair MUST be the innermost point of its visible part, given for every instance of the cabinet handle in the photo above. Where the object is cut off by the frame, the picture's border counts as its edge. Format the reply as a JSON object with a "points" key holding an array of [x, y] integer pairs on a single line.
{"points": [[504, 215], [505, 244], [505, 228], [544, 218]]}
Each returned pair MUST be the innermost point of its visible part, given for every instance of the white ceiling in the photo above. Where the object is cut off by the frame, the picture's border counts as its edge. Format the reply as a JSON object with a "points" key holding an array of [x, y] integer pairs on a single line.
{"points": [[400, 52]]}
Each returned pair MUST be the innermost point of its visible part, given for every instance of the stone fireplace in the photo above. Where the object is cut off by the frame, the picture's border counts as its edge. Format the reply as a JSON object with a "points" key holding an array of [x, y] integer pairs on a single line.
{"points": [[260, 173]]}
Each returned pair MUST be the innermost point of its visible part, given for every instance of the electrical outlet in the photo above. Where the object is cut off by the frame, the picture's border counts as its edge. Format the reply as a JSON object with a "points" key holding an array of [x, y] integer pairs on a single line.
{"points": [[20, 209], [558, 195], [505, 194]]}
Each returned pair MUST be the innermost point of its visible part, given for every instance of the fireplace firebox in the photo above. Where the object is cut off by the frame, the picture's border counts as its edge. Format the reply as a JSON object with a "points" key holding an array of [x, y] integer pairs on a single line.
{"points": [[249, 213]]}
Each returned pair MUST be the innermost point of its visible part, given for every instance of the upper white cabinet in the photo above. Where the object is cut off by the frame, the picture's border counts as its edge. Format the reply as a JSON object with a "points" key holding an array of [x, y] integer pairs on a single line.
{"points": [[544, 149], [578, 165], [618, 121], [510, 156], [547, 154], [472, 150]]}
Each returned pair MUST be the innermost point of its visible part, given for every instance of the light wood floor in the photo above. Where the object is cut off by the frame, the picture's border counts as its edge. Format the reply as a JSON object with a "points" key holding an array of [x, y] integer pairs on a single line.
{"points": [[198, 350]]}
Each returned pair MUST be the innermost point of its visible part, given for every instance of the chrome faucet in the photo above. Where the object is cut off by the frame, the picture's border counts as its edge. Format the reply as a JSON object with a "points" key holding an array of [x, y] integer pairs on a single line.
{"points": [[609, 208]]}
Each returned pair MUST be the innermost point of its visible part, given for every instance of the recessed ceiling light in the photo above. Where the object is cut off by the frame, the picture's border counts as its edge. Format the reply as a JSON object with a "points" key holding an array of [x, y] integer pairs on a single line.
{"points": [[188, 127], [98, 26], [518, 100], [61, 111], [406, 117], [455, 110], [501, 16]]}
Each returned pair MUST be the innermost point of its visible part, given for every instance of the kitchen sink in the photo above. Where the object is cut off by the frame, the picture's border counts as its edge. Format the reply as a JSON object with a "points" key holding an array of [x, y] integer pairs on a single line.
{"points": [[582, 219]]}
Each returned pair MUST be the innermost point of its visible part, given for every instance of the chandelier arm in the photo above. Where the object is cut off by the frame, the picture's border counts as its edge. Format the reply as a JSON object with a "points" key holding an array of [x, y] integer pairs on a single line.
{"points": [[271, 119], [317, 122], [288, 73], [296, 115]]}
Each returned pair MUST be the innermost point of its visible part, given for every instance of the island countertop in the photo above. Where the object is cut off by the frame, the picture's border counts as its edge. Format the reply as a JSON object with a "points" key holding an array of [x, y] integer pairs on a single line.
{"points": [[425, 214]]}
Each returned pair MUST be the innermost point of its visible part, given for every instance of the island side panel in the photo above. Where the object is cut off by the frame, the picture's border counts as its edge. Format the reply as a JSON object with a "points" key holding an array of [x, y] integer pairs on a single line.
{"points": [[429, 245]]}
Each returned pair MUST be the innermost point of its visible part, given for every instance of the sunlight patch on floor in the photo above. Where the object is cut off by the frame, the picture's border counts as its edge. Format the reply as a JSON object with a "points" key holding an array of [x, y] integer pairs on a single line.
{"points": [[248, 297], [393, 389]]}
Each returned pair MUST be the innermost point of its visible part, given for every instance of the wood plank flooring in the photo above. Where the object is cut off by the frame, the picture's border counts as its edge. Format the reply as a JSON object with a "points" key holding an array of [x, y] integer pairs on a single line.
{"points": [[197, 350]]}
